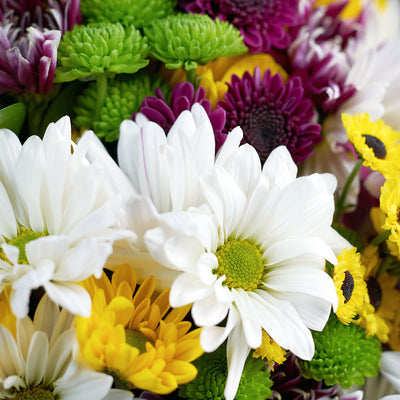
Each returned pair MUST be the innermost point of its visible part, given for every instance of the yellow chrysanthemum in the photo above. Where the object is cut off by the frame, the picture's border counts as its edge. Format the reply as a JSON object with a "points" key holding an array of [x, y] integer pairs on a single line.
{"points": [[389, 203], [213, 76], [138, 340], [7, 317], [377, 143], [378, 311], [270, 350], [348, 276]]}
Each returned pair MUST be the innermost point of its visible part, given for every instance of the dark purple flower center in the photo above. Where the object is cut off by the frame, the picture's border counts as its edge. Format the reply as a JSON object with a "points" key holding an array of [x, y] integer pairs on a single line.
{"points": [[376, 145], [374, 292], [264, 128], [347, 286]]}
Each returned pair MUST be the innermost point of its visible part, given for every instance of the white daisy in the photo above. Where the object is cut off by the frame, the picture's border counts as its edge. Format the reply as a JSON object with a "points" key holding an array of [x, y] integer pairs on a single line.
{"points": [[56, 218], [257, 258], [157, 174], [390, 367], [38, 363]]}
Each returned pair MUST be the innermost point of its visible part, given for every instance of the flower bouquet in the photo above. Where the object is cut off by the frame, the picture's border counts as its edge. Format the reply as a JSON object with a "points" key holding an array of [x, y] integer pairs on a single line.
{"points": [[199, 199]]}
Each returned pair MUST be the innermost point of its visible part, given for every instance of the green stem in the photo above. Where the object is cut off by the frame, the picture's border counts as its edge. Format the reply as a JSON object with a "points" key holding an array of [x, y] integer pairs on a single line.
{"points": [[380, 238], [340, 207], [191, 77], [102, 84]]}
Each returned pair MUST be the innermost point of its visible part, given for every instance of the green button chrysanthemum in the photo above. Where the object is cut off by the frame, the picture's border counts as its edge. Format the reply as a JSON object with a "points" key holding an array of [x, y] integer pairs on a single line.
{"points": [[343, 355], [210, 382], [124, 94], [129, 12], [186, 40], [95, 49]]}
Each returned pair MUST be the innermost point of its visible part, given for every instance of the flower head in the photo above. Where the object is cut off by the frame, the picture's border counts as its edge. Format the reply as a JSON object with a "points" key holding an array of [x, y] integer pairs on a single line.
{"points": [[37, 363], [186, 40], [93, 49], [212, 368], [322, 54], [377, 143], [262, 23], [135, 336], [27, 62], [343, 355], [129, 12], [123, 97], [256, 258], [50, 236], [183, 96], [348, 276], [271, 114]]}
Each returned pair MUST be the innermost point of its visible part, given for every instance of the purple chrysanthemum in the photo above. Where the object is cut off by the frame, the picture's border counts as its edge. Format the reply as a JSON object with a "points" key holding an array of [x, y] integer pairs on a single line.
{"points": [[262, 23], [290, 385], [30, 32], [322, 53], [183, 96], [61, 15], [271, 114]]}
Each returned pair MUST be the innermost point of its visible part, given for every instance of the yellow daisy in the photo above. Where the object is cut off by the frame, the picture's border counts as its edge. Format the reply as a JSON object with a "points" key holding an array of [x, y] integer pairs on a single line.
{"points": [[135, 337], [376, 142], [213, 76], [379, 309], [270, 350], [389, 203], [348, 276]]}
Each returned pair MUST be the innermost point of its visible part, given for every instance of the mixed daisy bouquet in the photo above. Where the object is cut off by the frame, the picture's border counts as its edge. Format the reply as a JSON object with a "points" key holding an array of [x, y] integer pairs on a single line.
{"points": [[199, 199]]}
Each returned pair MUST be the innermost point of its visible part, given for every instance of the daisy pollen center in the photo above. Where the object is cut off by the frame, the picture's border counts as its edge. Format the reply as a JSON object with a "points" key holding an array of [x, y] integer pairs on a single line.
{"points": [[36, 393], [24, 236], [241, 263]]}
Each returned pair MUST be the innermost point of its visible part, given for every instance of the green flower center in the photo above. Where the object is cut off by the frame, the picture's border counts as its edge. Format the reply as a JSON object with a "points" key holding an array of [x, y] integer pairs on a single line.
{"points": [[37, 393], [136, 339], [241, 262], [24, 236]]}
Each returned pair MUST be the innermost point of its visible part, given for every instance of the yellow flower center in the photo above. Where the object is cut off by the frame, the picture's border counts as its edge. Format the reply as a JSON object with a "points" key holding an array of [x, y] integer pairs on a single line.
{"points": [[24, 236], [347, 286], [136, 339], [376, 145], [37, 393], [241, 262]]}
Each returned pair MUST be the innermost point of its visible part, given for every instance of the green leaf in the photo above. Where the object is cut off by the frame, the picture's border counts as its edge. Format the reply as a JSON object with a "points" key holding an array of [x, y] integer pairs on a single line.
{"points": [[13, 117]]}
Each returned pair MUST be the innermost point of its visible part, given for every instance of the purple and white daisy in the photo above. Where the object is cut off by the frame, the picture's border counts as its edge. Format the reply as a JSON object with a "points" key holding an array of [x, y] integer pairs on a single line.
{"points": [[261, 22], [322, 54], [183, 96], [271, 114], [30, 33]]}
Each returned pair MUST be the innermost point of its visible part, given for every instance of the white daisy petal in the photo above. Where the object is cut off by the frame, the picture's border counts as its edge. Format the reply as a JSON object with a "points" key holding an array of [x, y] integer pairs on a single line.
{"points": [[71, 296], [8, 223], [208, 311], [37, 358], [390, 367], [236, 354]]}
